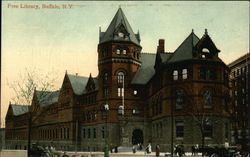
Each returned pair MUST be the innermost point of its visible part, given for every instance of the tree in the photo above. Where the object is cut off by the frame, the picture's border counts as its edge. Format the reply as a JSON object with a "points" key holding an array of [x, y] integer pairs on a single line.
{"points": [[24, 89]]}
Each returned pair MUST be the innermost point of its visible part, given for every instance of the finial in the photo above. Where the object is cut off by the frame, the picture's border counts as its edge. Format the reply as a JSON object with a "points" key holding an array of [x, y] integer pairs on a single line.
{"points": [[90, 75], [192, 30], [206, 31], [10, 102], [100, 29], [66, 72], [120, 6]]}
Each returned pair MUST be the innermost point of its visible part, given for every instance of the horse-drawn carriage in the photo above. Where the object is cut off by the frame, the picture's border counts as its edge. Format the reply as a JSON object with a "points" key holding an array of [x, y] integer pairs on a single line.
{"points": [[220, 152]]}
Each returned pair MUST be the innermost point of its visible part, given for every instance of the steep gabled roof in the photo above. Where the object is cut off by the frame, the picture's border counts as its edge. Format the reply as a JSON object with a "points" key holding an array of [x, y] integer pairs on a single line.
{"points": [[78, 83], [47, 97], [119, 20], [185, 50], [19, 109], [146, 71]]}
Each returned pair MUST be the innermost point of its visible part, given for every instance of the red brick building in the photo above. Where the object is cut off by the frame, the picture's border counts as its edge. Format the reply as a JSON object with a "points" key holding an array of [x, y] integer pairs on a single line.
{"points": [[146, 94], [240, 101]]}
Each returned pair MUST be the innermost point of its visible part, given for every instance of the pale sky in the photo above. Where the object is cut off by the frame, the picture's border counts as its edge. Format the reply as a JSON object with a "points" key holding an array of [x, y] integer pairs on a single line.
{"points": [[66, 39]]}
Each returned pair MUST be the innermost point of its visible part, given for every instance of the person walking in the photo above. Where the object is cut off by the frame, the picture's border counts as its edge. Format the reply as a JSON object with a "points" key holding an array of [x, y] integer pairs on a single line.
{"points": [[149, 148], [157, 150], [193, 150]]}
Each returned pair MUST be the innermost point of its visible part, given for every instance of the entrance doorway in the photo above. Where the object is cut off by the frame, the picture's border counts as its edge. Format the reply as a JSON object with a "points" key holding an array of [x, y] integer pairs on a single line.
{"points": [[137, 137]]}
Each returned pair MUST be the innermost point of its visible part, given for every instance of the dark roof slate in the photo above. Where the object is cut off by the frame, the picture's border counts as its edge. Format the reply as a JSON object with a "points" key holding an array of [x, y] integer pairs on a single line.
{"points": [[19, 109], [146, 71], [47, 97], [78, 83], [119, 19], [185, 50]]}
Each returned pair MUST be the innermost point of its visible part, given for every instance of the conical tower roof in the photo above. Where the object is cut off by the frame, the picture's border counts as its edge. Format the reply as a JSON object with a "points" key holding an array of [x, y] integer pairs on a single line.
{"points": [[117, 22]]}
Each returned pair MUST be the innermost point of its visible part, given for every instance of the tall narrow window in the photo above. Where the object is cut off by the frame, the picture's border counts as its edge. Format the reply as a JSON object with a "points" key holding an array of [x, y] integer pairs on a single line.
{"points": [[103, 132], [120, 92], [89, 134], [124, 51], [208, 98], [179, 101], [179, 127], [120, 77], [106, 92], [202, 73], [94, 132], [208, 129], [175, 75], [184, 74], [105, 76], [84, 133]]}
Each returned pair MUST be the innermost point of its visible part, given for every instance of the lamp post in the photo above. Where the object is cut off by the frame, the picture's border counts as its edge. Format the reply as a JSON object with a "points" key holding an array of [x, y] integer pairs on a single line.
{"points": [[106, 148]]}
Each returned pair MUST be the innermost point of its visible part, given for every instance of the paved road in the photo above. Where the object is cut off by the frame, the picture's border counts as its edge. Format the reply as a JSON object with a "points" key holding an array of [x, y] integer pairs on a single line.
{"points": [[22, 153]]}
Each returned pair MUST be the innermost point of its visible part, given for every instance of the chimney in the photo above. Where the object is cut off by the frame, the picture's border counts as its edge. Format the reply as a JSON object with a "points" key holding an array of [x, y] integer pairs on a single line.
{"points": [[161, 47]]}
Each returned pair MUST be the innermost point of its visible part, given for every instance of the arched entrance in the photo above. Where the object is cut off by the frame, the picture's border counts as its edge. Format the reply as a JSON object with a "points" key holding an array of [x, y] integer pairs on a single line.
{"points": [[137, 136]]}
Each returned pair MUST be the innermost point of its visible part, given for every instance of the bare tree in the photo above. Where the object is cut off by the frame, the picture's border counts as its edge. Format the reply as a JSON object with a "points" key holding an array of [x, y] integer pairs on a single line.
{"points": [[25, 86], [24, 89]]}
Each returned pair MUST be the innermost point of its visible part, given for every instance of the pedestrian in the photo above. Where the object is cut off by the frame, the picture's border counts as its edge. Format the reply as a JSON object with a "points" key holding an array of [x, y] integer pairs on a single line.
{"points": [[157, 150], [193, 150], [65, 155], [175, 150], [134, 149], [149, 148]]}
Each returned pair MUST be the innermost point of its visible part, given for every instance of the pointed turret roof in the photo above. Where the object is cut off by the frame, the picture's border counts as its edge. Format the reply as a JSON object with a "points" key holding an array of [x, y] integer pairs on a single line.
{"points": [[119, 20], [185, 50]]}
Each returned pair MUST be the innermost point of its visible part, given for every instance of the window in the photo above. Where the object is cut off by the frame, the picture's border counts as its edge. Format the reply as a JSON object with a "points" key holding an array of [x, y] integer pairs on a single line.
{"points": [[179, 101], [120, 92], [175, 75], [203, 73], [205, 50], [136, 110], [120, 77], [118, 51], [208, 129], [94, 132], [105, 76], [89, 133], [84, 133], [135, 92], [89, 116], [212, 74], [207, 96], [106, 92], [124, 51], [179, 126], [103, 132], [184, 74], [120, 110]]}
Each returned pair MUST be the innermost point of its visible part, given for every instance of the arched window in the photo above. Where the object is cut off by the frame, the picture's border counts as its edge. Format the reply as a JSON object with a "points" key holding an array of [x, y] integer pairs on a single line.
{"points": [[120, 77], [120, 110], [184, 74], [208, 98], [205, 50]]}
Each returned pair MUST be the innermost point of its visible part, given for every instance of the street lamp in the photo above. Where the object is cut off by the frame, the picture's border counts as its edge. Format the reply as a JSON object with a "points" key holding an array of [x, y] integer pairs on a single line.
{"points": [[106, 148]]}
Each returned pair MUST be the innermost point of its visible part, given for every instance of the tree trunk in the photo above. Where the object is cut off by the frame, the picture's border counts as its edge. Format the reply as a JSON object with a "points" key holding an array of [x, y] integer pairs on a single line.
{"points": [[202, 143], [29, 136]]}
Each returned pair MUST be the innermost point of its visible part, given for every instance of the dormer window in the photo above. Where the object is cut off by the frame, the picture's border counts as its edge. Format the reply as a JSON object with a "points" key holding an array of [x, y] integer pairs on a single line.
{"points": [[118, 51], [121, 35], [205, 50]]}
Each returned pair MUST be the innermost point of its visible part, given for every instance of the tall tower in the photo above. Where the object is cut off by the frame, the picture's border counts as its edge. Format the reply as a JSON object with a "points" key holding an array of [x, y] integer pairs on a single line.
{"points": [[119, 53]]}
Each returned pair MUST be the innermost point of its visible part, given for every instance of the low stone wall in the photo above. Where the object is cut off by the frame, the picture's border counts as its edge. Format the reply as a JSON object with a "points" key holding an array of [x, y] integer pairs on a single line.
{"points": [[13, 153]]}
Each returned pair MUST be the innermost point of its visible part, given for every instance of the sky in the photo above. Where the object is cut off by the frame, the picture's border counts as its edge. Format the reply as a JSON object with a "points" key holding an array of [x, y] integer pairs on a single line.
{"points": [[55, 40]]}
